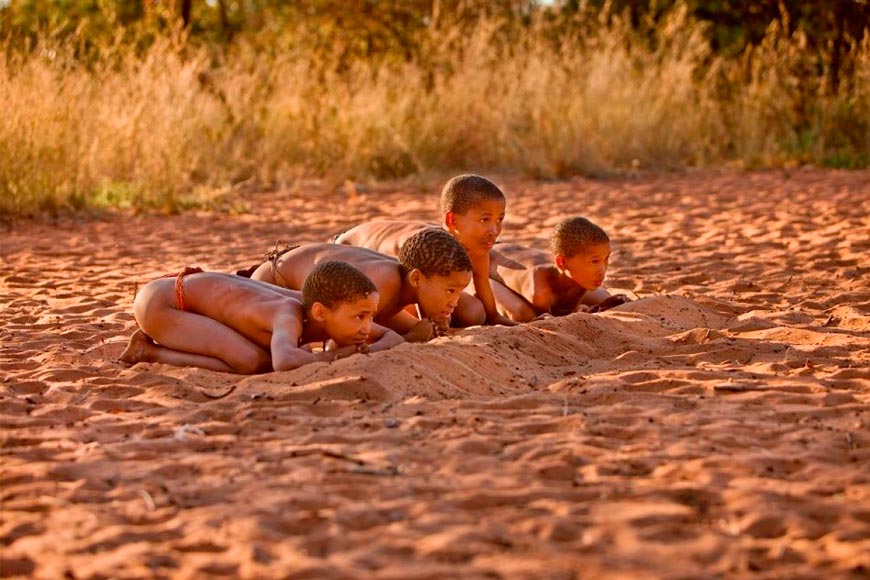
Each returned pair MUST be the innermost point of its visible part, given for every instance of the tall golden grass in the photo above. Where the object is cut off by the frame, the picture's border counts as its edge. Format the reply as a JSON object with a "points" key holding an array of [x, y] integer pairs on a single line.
{"points": [[161, 127]]}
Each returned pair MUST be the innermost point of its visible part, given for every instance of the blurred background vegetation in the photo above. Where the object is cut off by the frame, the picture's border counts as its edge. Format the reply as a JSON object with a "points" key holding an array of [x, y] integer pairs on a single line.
{"points": [[165, 103]]}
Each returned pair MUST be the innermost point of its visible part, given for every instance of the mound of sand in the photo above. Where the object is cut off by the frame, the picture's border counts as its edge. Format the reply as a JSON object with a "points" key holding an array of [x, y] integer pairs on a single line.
{"points": [[718, 427]]}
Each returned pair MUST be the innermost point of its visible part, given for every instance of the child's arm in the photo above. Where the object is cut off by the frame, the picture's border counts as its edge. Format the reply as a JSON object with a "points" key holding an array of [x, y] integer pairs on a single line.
{"points": [[411, 328], [383, 338], [514, 305], [403, 322], [286, 356], [483, 291], [289, 358], [594, 298]]}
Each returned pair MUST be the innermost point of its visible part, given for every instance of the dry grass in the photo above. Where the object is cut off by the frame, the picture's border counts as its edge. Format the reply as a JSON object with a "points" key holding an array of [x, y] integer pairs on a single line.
{"points": [[158, 129]]}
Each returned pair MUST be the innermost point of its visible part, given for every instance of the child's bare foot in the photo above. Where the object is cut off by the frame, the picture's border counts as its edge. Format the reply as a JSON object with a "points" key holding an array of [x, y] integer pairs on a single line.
{"points": [[139, 349]]}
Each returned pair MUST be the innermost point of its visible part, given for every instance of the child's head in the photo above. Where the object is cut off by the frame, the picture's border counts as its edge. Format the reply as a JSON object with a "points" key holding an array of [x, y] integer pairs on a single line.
{"points": [[581, 250], [342, 299], [473, 208], [438, 267]]}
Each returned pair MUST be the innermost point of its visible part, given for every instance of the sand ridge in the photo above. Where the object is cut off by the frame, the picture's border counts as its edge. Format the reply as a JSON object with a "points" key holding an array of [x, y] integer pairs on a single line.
{"points": [[716, 428]]}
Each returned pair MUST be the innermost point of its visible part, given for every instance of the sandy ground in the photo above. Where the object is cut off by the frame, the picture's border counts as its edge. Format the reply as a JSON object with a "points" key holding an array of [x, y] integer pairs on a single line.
{"points": [[716, 428]]}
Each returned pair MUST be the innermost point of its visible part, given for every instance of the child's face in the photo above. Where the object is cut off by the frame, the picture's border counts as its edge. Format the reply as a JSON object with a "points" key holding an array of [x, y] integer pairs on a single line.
{"points": [[589, 267], [479, 227], [439, 295], [351, 322]]}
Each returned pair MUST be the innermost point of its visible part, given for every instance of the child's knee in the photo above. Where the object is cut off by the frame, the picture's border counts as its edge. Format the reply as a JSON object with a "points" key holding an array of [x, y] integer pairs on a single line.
{"points": [[469, 312], [521, 313], [251, 363], [148, 306]]}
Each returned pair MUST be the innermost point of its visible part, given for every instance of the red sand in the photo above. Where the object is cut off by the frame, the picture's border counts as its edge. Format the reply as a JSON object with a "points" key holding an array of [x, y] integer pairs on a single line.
{"points": [[716, 428]]}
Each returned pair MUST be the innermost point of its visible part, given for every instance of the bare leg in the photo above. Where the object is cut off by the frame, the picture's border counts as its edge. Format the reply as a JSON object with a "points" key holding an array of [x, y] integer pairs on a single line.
{"points": [[143, 349], [188, 339], [512, 304], [469, 312]]}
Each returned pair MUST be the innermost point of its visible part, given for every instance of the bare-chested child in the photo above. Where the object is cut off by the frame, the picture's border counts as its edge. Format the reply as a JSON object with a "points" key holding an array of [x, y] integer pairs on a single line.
{"points": [[473, 209], [431, 271], [567, 279], [228, 323]]}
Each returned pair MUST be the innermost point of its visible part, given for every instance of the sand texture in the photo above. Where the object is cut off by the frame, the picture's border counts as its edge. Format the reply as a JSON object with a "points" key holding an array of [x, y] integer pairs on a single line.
{"points": [[716, 428]]}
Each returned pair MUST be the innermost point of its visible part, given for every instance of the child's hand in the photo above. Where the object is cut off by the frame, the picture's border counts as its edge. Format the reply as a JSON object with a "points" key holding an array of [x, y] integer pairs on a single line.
{"points": [[441, 328], [423, 331], [502, 320], [346, 351], [611, 302]]}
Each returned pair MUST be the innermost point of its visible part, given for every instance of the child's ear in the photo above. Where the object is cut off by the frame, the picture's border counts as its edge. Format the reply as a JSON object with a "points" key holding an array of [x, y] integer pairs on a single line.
{"points": [[414, 277], [318, 312], [450, 220], [560, 262]]}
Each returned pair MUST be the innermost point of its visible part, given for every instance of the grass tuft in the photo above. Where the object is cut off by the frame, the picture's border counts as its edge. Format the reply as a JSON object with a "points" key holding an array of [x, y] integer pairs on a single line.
{"points": [[162, 124]]}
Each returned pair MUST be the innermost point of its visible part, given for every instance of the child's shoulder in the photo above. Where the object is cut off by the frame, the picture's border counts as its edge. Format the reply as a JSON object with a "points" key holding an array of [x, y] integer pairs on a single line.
{"points": [[517, 255]]}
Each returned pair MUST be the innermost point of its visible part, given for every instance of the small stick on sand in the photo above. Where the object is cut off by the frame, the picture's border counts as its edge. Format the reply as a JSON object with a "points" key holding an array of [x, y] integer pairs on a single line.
{"points": [[735, 388], [389, 471], [221, 396], [327, 453], [149, 501]]}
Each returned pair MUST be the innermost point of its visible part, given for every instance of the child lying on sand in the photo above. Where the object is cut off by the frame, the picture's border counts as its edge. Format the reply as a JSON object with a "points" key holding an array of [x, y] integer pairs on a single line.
{"points": [[566, 280], [431, 272], [473, 209], [228, 323]]}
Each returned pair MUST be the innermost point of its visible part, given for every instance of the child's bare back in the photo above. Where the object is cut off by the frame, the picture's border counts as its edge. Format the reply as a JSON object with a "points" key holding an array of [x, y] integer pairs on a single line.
{"points": [[428, 275], [384, 236], [237, 319], [290, 268]]}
